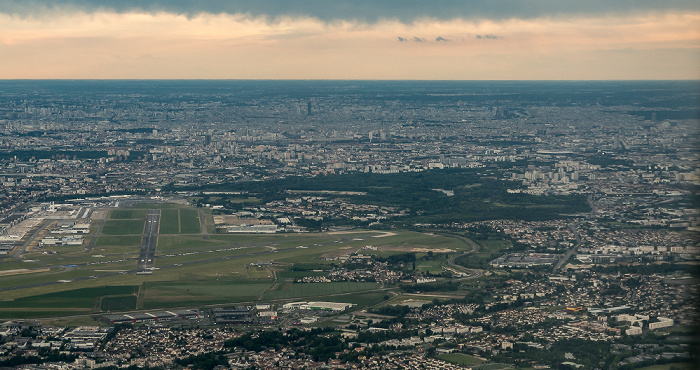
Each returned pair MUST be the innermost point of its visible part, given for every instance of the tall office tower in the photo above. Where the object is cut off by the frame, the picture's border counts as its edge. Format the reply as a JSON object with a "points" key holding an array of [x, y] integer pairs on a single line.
{"points": [[308, 108]]}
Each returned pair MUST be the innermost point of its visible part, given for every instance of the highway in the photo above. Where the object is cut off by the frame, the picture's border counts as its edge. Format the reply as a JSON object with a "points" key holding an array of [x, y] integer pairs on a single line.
{"points": [[149, 241], [574, 229]]}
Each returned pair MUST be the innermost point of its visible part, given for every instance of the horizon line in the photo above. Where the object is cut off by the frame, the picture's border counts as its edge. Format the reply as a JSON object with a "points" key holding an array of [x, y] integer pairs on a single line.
{"points": [[349, 80]]}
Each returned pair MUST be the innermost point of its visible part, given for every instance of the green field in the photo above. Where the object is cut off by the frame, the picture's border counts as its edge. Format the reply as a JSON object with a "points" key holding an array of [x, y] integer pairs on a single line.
{"points": [[169, 221], [120, 241], [120, 214], [123, 227], [118, 303], [173, 244], [78, 298], [189, 221], [286, 290], [361, 299], [194, 271], [178, 295], [460, 359]]}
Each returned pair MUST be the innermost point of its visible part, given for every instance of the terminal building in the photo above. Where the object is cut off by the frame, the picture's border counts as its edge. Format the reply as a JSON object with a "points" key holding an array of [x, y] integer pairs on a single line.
{"points": [[316, 306], [151, 316], [233, 315]]}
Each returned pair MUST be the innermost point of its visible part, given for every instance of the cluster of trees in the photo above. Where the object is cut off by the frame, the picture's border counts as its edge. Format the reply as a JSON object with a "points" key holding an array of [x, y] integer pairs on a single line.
{"points": [[477, 196], [647, 269], [47, 355], [319, 343], [208, 360], [398, 310]]}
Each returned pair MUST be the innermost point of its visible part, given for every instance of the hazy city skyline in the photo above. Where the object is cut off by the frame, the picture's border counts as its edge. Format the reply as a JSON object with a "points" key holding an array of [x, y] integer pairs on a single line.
{"points": [[454, 40]]}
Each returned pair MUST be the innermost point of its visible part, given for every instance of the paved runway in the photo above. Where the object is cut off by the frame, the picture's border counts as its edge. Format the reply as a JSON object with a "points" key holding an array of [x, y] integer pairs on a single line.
{"points": [[150, 238]]}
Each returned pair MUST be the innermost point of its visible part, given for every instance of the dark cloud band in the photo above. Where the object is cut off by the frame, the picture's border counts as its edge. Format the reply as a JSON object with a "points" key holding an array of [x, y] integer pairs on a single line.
{"points": [[360, 10]]}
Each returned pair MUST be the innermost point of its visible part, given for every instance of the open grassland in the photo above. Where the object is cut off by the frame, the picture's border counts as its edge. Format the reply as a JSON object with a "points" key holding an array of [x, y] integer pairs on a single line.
{"points": [[169, 221], [193, 271], [156, 206], [179, 295], [168, 244], [121, 214], [231, 255], [73, 321], [361, 299], [85, 299], [12, 264], [189, 221], [110, 240], [123, 227], [286, 290], [258, 273], [121, 303], [289, 274]]}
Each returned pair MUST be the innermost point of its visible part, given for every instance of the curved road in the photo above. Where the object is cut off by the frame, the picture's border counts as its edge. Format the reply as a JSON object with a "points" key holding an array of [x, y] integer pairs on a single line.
{"points": [[473, 273]]}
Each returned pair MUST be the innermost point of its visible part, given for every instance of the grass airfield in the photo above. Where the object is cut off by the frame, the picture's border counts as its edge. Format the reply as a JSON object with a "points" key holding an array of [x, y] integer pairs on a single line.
{"points": [[192, 271]]}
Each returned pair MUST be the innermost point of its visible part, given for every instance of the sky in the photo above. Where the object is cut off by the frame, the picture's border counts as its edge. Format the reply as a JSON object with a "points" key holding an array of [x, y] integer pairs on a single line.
{"points": [[350, 39]]}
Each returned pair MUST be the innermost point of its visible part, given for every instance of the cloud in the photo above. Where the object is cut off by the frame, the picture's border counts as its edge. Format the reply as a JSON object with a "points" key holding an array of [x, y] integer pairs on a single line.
{"points": [[369, 11], [440, 38], [401, 39], [215, 46], [491, 37], [418, 39]]}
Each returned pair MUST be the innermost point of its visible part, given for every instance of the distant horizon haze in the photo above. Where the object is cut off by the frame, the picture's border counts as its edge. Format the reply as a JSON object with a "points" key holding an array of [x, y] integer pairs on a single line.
{"points": [[350, 40]]}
